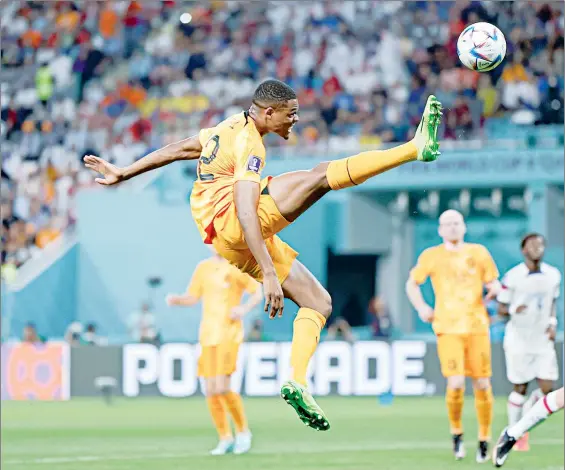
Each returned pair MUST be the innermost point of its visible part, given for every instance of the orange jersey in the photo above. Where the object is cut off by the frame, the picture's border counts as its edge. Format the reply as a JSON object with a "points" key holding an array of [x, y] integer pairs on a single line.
{"points": [[220, 287], [458, 279], [231, 151]]}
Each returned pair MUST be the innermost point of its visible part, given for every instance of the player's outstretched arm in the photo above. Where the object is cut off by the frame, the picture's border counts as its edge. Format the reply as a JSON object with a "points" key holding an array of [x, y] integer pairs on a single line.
{"points": [[187, 149], [246, 202], [185, 300]]}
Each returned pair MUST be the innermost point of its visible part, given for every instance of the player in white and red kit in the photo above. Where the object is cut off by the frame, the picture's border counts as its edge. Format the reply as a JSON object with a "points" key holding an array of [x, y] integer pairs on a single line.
{"points": [[529, 295], [545, 407]]}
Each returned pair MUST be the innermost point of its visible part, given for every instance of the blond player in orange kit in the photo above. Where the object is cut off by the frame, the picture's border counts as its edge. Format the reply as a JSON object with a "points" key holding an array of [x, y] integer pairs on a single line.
{"points": [[220, 287], [459, 273], [240, 213]]}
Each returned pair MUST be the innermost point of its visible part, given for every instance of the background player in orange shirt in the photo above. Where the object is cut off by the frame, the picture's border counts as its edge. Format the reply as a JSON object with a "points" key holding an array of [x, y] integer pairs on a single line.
{"points": [[459, 272], [240, 213], [220, 286]]}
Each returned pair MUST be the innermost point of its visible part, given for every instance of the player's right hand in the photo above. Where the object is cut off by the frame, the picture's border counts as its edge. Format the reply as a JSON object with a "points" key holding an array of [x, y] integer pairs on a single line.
{"points": [[112, 174], [171, 300], [521, 308], [426, 313], [274, 297]]}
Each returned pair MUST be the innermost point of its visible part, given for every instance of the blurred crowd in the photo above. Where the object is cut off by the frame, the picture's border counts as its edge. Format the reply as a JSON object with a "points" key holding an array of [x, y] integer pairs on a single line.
{"points": [[121, 78], [76, 334]]}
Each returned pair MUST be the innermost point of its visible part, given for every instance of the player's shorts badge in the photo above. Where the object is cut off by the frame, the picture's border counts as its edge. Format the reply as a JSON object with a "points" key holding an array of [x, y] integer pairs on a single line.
{"points": [[254, 164]]}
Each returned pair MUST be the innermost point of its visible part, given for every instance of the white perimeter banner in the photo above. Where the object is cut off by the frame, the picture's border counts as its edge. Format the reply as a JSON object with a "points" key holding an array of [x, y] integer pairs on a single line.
{"points": [[363, 368]]}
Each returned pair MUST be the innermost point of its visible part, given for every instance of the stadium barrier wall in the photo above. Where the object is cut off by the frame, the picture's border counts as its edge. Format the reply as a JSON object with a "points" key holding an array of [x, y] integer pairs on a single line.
{"points": [[364, 368], [55, 371]]}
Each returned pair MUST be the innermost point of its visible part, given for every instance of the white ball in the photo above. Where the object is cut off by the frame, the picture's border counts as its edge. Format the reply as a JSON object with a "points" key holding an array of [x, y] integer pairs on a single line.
{"points": [[481, 47]]}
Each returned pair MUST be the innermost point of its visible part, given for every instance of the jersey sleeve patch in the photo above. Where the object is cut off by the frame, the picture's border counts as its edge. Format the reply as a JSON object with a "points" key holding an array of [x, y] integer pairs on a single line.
{"points": [[254, 164]]}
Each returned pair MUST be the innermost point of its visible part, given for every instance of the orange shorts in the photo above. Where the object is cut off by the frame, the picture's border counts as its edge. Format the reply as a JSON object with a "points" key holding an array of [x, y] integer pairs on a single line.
{"points": [[230, 242], [218, 360], [467, 355]]}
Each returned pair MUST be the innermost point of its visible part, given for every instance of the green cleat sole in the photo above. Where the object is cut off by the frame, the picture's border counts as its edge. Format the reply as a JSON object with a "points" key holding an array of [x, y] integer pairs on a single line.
{"points": [[310, 415], [429, 125]]}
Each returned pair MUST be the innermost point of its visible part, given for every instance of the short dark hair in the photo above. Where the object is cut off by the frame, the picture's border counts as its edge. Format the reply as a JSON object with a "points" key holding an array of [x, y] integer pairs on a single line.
{"points": [[273, 93], [529, 236]]}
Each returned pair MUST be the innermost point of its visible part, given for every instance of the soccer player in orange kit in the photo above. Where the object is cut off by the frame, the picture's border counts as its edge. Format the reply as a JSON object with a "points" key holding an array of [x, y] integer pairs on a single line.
{"points": [[459, 272], [220, 287], [240, 213]]}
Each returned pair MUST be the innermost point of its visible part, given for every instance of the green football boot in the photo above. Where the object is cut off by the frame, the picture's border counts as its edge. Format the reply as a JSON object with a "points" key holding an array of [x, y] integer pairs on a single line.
{"points": [[425, 138], [305, 406]]}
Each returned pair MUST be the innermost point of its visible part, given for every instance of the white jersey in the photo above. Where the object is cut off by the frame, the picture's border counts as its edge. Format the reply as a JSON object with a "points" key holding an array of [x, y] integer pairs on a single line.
{"points": [[526, 331]]}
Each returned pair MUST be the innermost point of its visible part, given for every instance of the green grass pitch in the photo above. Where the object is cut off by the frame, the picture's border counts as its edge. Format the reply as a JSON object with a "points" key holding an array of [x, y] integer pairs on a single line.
{"points": [[166, 434]]}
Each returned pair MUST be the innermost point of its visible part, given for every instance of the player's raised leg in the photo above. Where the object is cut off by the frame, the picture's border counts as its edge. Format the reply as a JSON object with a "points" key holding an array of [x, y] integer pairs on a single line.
{"points": [[315, 307], [546, 386], [296, 191], [545, 407]]}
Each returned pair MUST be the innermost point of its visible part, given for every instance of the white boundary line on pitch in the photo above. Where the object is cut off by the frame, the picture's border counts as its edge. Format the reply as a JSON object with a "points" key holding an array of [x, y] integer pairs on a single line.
{"points": [[434, 445]]}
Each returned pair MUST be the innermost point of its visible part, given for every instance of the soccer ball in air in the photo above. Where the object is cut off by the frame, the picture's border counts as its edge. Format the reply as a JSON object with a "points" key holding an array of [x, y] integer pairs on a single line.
{"points": [[481, 47]]}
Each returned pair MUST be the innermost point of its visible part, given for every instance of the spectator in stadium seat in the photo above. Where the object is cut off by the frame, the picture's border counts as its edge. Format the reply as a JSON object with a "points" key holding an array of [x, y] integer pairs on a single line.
{"points": [[90, 336], [381, 324], [142, 325], [340, 329], [73, 332], [256, 331], [50, 232], [30, 334]]}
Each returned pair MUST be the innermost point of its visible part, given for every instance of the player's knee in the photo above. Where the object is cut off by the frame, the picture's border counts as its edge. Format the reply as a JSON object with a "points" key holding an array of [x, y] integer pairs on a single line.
{"points": [[520, 388], [222, 385], [481, 383], [326, 304], [456, 382], [211, 388], [546, 388], [319, 175], [322, 303]]}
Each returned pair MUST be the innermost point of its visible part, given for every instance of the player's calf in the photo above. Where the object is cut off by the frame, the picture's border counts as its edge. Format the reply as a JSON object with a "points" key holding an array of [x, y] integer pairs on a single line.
{"points": [[483, 404], [315, 307]]}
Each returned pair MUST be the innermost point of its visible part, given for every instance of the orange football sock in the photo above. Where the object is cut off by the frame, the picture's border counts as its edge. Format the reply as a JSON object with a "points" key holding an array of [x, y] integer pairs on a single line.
{"points": [[354, 170], [483, 404], [454, 398], [219, 416], [235, 407], [308, 325]]}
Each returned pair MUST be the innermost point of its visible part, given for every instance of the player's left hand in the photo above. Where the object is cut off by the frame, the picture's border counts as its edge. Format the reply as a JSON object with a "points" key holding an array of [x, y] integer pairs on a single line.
{"points": [[551, 330], [237, 313]]}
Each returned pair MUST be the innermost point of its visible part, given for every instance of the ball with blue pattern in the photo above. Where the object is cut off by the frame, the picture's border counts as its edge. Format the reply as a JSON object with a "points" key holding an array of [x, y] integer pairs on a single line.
{"points": [[481, 47]]}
